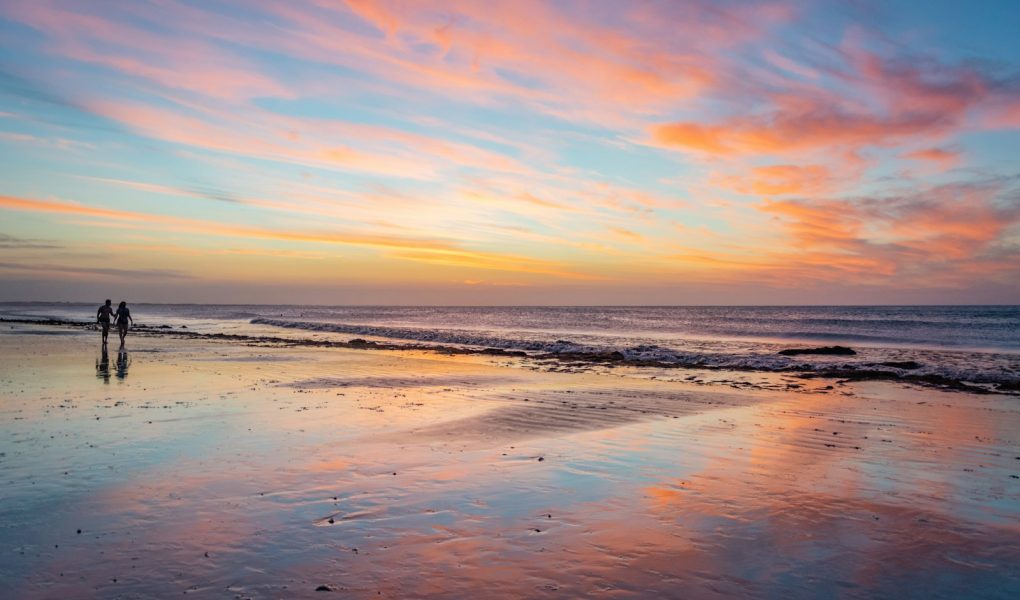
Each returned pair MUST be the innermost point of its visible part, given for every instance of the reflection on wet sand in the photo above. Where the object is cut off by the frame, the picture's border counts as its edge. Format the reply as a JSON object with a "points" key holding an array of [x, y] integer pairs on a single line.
{"points": [[103, 370], [224, 475], [103, 365], [122, 363]]}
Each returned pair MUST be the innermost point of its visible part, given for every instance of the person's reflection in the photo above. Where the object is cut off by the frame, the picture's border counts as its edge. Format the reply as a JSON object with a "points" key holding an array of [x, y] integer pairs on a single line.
{"points": [[103, 366], [122, 363]]}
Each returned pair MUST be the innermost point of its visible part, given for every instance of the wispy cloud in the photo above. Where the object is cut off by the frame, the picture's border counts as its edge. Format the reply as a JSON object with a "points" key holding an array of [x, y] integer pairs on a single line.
{"points": [[11, 242], [42, 270]]}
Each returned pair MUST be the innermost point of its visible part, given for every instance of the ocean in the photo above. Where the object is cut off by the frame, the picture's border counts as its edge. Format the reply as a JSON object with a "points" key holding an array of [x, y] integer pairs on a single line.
{"points": [[971, 344]]}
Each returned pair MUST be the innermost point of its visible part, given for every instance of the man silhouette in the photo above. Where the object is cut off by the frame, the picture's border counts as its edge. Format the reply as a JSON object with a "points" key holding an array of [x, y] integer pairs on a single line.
{"points": [[103, 318]]}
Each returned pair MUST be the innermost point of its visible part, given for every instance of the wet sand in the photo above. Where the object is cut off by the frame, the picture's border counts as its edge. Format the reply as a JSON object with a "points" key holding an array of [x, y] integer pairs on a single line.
{"points": [[205, 468]]}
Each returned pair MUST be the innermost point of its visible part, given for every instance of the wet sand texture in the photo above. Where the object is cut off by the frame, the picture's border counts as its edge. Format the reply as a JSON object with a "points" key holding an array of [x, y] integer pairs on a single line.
{"points": [[218, 470]]}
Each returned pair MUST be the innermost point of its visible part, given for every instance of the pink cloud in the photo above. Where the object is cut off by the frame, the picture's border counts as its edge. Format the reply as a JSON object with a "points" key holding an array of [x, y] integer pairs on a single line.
{"points": [[940, 156], [951, 232]]}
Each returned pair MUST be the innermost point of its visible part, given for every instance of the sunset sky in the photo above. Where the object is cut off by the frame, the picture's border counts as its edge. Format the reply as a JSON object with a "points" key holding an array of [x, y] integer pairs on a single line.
{"points": [[575, 152]]}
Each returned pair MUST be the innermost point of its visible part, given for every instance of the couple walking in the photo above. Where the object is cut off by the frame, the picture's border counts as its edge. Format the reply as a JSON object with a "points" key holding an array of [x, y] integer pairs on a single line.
{"points": [[122, 317]]}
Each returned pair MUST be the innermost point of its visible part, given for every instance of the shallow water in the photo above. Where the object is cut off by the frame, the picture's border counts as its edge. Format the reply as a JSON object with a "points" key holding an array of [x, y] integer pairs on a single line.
{"points": [[214, 470]]}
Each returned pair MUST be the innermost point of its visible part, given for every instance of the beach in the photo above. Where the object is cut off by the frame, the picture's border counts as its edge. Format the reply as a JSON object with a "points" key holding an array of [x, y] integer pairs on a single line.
{"points": [[212, 468]]}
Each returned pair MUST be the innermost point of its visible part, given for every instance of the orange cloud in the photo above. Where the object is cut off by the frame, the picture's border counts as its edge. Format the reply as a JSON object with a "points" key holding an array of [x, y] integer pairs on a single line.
{"points": [[535, 200], [784, 132], [781, 180], [46, 206], [834, 224]]}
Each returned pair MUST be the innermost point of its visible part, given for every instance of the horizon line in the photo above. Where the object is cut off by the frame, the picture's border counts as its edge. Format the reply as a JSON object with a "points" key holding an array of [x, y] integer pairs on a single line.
{"points": [[430, 305]]}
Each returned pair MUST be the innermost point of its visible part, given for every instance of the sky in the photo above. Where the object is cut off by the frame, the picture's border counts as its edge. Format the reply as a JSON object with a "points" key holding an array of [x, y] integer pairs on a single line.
{"points": [[464, 152]]}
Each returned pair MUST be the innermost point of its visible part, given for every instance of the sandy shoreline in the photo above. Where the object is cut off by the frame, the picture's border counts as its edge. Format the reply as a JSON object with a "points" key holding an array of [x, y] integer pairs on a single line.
{"points": [[217, 470]]}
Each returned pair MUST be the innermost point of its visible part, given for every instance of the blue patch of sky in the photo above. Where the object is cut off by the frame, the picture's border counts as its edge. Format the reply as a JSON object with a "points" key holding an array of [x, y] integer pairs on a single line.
{"points": [[623, 163], [996, 152], [519, 79], [964, 29]]}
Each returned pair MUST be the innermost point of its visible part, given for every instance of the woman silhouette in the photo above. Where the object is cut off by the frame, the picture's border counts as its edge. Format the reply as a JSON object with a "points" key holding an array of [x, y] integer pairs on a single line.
{"points": [[123, 317]]}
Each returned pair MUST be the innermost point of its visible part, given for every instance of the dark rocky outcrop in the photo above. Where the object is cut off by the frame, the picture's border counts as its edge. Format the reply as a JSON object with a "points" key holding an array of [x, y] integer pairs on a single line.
{"points": [[502, 352], [908, 365], [587, 357], [833, 350]]}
